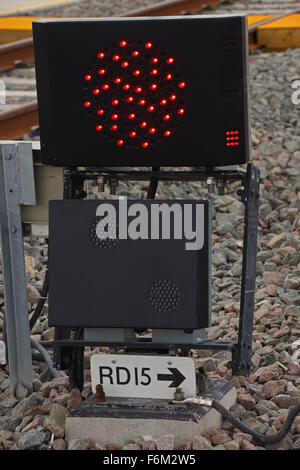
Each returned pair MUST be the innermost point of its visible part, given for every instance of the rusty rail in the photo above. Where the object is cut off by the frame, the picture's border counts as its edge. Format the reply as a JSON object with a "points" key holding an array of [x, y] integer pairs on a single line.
{"points": [[16, 122], [23, 50], [14, 51], [173, 7]]}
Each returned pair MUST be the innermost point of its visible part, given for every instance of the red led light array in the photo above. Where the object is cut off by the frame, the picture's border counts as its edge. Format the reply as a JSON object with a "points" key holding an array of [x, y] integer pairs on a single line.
{"points": [[143, 85], [232, 139]]}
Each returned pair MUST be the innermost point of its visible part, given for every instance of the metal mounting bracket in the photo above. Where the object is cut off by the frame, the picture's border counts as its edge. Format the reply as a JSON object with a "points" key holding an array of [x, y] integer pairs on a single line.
{"points": [[16, 189], [241, 349]]}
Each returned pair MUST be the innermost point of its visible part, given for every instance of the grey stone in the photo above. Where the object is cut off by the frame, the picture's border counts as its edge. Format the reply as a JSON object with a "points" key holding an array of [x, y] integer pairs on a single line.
{"points": [[10, 422], [209, 364], [270, 358], [27, 403], [33, 438], [262, 410], [296, 445], [4, 435], [9, 402], [55, 422], [36, 384], [165, 442], [131, 446], [21, 392], [76, 444], [225, 227], [59, 444], [264, 210], [262, 428], [263, 256], [4, 384]]}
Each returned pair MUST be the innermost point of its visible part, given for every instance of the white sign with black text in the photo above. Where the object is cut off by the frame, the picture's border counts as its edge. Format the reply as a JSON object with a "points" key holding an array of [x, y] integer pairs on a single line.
{"points": [[143, 376]]}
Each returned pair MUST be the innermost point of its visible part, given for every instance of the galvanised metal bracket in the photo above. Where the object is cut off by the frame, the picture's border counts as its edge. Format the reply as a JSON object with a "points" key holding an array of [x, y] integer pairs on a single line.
{"points": [[242, 351], [16, 189]]}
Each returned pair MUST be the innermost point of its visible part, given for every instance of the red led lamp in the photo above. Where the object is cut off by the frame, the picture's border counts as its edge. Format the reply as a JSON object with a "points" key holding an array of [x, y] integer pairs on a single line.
{"points": [[149, 100], [232, 139]]}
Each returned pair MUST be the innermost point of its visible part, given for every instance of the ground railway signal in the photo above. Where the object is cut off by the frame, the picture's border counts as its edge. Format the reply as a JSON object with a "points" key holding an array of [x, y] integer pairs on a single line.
{"points": [[141, 98]]}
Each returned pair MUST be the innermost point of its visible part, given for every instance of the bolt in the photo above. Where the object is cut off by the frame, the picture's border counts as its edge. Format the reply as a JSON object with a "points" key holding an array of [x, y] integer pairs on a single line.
{"points": [[178, 394], [101, 184], [99, 395], [13, 230], [113, 186], [221, 187], [210, 185], [8, 157]]}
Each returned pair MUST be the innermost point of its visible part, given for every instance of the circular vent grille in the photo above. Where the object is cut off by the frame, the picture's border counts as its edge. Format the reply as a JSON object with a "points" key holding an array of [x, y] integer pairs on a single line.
{"points": [[134, 94], [164, 295], [111, 229]]}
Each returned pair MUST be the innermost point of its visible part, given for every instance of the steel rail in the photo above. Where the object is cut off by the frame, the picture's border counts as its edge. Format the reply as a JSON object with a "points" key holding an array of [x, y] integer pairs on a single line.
{"points": [[13, 52], [23, 50], [16, 122], [173, 7]]}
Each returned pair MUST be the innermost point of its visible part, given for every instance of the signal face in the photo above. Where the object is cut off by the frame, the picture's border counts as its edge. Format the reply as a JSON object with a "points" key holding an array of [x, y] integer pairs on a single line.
{"points": [[142, 91], [138, 87]]}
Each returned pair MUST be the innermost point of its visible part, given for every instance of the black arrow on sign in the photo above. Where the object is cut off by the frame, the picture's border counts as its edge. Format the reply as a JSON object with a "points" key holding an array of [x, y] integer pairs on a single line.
{"points": [[176, 377]]}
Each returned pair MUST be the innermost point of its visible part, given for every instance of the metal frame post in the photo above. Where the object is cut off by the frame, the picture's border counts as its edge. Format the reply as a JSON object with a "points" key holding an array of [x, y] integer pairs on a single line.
{"points": [[16, 188], [242, 351]]}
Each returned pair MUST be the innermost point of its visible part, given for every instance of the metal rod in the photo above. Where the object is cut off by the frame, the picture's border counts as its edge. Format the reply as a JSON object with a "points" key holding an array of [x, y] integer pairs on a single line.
{"points": [[207, 344]]}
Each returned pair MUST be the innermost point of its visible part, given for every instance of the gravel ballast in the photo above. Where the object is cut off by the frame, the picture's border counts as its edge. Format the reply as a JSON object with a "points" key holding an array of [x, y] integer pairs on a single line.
{"points": [[273, 387]]}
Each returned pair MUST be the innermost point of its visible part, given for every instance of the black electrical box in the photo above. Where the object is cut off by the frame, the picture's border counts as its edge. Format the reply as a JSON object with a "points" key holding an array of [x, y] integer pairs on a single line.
{"points": [[168, 91], [157, 275]]}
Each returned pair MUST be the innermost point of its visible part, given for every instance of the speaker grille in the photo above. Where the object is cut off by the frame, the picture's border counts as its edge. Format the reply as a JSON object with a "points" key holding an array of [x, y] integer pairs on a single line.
{"points": [[112, 228], [230, 43], [164, 295], [231, 92]]}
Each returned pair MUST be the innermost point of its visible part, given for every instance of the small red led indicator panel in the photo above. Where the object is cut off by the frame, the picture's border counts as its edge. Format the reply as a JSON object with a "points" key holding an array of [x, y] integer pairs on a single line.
{"points": [[232, 139], [144, 85]]}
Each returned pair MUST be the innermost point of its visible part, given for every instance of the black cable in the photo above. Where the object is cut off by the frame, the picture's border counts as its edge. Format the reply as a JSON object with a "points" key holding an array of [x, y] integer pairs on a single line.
{"points": [[54, 372], [153, 184], [42, 300], [258, 436], [45, 375], [37, 357]]}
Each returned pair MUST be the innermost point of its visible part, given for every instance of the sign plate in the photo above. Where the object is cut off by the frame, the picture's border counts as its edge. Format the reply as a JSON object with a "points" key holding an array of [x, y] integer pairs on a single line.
{"points": [[143, 376], [2, 353]]}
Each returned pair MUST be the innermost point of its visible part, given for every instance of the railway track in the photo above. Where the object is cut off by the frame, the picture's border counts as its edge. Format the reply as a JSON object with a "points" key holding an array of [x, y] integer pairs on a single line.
{"points": [[17, 119]]}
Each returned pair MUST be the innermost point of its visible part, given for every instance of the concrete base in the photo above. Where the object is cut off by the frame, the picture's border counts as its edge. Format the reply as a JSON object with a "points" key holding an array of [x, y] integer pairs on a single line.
{"points": [[121, 420]]}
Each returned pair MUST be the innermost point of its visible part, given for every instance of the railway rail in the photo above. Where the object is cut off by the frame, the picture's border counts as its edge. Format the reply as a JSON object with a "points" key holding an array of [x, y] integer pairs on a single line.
{"points": [[16, 121]]}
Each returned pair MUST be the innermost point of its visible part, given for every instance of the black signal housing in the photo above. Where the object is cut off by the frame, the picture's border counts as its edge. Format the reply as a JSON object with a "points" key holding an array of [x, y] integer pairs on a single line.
{"points": [[168, 91]]}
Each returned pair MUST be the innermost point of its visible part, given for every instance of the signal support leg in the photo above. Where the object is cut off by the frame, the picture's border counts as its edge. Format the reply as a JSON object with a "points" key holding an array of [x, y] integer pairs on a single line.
{"points": [[241, 353], [16, 188]]}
